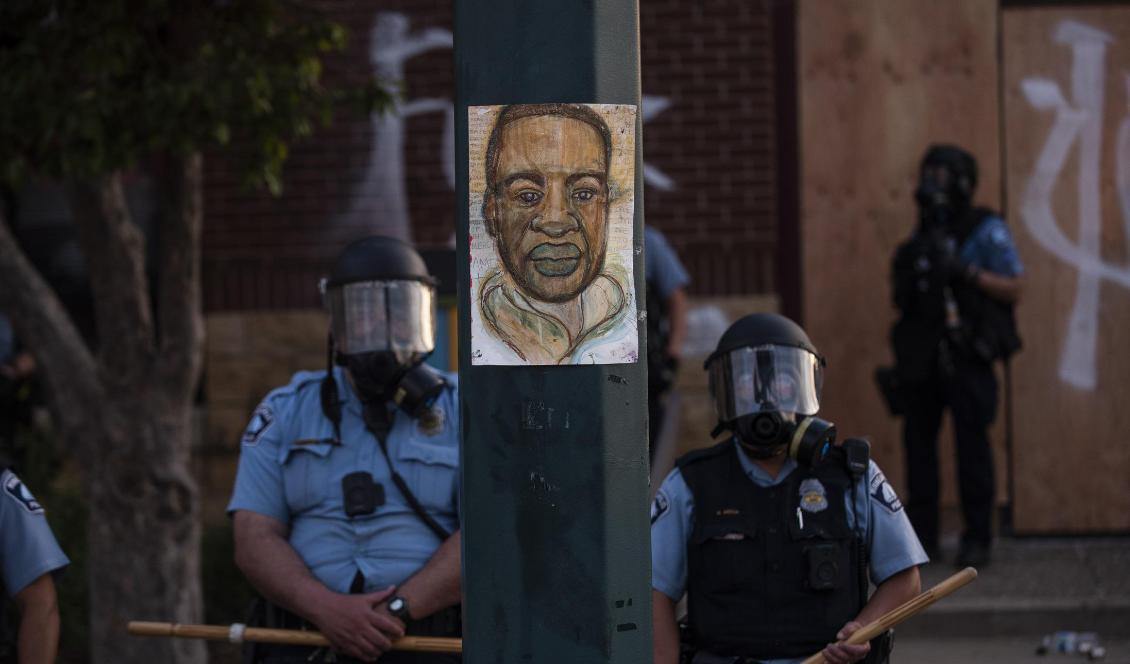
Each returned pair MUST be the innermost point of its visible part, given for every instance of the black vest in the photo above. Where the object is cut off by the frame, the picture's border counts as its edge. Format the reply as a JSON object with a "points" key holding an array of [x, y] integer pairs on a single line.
{"points": [[763, 582], [660, 376], [988, 326]]}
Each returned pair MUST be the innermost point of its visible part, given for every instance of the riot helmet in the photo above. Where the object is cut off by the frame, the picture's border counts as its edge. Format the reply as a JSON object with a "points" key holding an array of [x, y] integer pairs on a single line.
{"points": [[381, 299], [947, 178], [381, 302], [765, 379]]}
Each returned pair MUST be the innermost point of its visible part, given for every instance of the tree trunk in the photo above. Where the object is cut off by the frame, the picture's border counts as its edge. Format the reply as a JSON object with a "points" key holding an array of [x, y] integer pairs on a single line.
{"points": [[144, 531], [144, 535], [126, 412]]}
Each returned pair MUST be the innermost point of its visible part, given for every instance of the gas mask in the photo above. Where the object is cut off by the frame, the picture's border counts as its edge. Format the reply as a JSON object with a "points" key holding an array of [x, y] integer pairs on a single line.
{"points": [[939, 202], [763, 434], [767, 396], [374, 374], [380, 376], [945, 188]]}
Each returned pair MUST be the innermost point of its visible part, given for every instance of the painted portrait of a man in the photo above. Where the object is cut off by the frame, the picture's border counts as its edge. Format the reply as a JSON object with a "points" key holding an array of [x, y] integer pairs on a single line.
{"points": [[551, 292]]}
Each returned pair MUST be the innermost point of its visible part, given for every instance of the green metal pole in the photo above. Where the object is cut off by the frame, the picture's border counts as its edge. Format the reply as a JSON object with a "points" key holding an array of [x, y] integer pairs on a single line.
{"points": [[556, 540]]}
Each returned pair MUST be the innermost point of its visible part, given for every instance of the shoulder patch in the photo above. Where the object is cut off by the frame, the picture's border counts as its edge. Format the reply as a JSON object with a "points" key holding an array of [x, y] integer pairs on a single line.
{"points": [[659, 506], [884, 494], [18, 491], [261, 421]]}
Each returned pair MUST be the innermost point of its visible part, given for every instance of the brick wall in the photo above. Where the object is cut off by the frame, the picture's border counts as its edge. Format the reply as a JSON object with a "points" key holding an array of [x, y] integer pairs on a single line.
{"points": [[712, 61]]}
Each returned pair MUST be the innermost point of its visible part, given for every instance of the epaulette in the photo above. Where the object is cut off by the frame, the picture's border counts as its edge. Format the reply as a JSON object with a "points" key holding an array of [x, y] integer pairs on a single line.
{"points": [[315, 378], [300, 381], [694, 456]]}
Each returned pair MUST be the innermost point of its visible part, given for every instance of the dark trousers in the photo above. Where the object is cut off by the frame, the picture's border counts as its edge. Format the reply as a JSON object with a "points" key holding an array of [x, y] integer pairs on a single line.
{"points": [[445, 623], [300, 655], [969, 390]]}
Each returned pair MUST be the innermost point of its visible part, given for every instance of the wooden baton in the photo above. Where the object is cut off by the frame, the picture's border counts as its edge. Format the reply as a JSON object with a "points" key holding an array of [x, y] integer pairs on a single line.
{"points": [[904, 611], [238, 633]]}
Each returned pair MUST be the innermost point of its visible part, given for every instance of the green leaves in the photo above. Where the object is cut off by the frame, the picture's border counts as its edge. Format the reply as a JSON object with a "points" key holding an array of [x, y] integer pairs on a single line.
{"points": [[90, 87]]}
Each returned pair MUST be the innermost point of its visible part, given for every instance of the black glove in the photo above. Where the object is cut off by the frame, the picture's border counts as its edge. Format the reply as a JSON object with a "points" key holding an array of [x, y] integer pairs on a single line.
{"points": [[951, 265]]}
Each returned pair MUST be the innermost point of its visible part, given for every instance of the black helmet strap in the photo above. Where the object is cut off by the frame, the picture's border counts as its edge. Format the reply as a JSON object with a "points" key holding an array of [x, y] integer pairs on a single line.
{"points": [[331, 400]]}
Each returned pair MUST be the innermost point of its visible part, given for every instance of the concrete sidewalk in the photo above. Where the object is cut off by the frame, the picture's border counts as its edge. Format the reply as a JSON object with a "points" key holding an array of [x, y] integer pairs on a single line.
{"points": [[1033, 586], [993, 650]]}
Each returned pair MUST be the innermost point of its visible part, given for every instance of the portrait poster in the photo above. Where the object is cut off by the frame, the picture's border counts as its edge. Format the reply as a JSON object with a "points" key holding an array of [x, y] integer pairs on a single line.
{"points": [[552, 202]]}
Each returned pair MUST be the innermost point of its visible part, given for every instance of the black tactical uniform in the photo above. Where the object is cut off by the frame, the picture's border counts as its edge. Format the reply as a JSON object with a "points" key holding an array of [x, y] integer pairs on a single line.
{"points": [[948, 334], [774, 533], [812, 569]]}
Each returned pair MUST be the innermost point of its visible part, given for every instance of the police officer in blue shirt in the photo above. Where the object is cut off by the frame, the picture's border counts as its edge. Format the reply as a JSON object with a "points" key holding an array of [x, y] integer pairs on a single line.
{"points": [[30, 558], [956, 281], [667, 282], [775, 533], [346, 499]]}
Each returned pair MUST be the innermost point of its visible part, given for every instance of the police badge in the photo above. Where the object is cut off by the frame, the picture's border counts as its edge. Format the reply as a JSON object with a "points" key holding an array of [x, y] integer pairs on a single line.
{"points": [[431, 421], [813, 497]]}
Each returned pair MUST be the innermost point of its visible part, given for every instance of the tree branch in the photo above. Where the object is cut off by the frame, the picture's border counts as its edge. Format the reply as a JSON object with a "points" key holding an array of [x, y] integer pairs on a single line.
{"points": [[114, 249], [66, 364], [181, 325]]}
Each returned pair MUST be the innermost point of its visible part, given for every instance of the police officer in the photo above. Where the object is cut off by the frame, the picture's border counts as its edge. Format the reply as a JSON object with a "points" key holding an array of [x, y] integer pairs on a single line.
{"points": [[29, 559], [955, 281], [774, 532], [667, 282], [345, 503]]}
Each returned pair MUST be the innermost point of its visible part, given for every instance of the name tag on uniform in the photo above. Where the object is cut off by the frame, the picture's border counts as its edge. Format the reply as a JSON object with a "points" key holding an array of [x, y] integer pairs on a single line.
{"points": [[731, 537]]}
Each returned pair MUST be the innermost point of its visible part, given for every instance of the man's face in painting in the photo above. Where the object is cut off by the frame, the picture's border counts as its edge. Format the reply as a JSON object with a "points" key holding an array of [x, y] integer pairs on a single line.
{"points": [[548, 206]]}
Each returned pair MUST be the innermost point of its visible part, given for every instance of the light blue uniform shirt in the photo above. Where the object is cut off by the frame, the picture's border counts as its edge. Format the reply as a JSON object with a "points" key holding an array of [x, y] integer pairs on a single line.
{"points": [[290, 470], [891, 543], [661, 265], [990, 247], [28, 549]]}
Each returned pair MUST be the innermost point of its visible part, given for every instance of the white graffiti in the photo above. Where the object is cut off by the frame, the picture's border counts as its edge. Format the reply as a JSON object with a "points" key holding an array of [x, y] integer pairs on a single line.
{"points": [[651, 106], [380, 200], [1079, 121]]}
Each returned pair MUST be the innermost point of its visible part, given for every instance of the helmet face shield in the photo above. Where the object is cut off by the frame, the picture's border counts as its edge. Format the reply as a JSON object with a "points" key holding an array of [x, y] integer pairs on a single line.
{"points": [[396, 316], [746, 381]]}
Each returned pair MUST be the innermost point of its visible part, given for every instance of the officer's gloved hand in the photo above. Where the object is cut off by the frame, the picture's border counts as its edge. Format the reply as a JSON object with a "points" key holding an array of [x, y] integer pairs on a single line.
{"points": [[951, 265], [841, 652]]}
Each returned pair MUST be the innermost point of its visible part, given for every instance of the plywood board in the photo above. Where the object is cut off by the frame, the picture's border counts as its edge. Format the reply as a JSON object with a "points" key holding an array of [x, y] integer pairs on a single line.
{"points": [[1067, 140], [879, 81]]}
